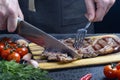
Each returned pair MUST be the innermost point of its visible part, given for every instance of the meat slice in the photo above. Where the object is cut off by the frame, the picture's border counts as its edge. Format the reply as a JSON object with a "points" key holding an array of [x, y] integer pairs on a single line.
{"points": [[87, 51], [112, 42], [97, 47], [69, 42], [57, 56], [102, 42], [106, 50]]}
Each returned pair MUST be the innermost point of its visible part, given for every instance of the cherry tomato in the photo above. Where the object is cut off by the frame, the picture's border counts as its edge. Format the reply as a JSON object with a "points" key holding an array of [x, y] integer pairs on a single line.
{"points": [[118, 68], [14, 56], [1, 46], [22, 51], [13, 45], [5, 53], [118, 65], [6, 39], [110, 72], [118, 74]]}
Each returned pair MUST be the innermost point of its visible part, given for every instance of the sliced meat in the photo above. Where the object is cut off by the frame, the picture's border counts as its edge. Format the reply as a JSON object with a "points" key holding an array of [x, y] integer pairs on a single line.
{"points": [[88, 51], [69, 42], [112, 42], [97, 47], [102, 42], [117, 39], [57, 56], [106, 50]]}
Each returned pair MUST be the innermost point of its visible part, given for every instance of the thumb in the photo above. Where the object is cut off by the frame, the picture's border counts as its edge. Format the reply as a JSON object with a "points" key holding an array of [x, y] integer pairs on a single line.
{"points": [[12, 23], [20, 14], [90, 6]]}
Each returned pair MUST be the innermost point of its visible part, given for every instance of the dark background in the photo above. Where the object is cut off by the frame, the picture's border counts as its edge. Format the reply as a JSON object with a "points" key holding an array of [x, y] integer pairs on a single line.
{"points": [[111, 22]]}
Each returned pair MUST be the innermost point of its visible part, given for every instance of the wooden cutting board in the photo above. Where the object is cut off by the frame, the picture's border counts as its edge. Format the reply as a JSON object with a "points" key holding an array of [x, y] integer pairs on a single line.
{"points": [[36, 49], [83, 62]]}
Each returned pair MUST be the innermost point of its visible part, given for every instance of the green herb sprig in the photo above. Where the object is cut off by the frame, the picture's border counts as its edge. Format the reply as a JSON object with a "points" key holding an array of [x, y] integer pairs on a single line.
{"points": [[15, 71]]}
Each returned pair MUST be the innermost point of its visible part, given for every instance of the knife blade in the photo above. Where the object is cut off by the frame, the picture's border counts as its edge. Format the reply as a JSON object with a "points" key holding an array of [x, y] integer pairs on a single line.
{"points": [[41, 38]]}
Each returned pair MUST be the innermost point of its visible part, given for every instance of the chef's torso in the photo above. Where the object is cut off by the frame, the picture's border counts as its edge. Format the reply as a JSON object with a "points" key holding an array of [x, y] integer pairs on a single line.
{"points": [[56, 16]]}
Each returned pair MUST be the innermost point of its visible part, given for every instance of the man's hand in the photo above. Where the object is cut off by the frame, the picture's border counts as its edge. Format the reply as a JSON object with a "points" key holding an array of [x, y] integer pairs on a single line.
{"points": [[97, 9], [9, 12]]}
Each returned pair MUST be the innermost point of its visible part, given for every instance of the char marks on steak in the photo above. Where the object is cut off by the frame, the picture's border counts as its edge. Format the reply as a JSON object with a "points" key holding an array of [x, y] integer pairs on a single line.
{"points": [[94, 46]]}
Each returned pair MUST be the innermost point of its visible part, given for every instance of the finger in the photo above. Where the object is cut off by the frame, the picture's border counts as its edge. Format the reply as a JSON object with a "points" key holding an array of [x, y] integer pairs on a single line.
{"points": [[90, 6], [20, 14], [110, 5], [12, 23], [3, 26], [101, 9], [2, 21]]}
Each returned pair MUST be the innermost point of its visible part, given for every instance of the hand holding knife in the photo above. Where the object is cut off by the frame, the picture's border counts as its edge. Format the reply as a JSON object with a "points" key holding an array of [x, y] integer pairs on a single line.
{"points": [[40, 37]]}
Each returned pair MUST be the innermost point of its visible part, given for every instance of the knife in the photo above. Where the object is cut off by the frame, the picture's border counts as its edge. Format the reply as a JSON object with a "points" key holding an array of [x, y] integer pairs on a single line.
{"points": [[33, 34]]}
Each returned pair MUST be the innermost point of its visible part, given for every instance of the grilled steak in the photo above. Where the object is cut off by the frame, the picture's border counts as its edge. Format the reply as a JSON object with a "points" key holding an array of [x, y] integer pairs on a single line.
{"points": [[92, 47], [97, 45]]}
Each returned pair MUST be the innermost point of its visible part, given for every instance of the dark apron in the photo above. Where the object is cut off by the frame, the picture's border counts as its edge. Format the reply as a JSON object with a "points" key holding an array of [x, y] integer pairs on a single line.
{"points": [[56, 16]]}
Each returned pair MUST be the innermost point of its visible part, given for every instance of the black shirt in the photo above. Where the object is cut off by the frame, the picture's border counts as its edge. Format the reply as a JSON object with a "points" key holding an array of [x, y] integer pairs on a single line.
{"points": [[56, 16]]}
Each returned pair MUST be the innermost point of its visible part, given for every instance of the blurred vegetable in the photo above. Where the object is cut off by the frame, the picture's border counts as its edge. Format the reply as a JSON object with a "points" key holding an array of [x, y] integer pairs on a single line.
{"points": [[1, 46], [110, 71], [27, 57], [22, 42], [22, 51], [5, 53], [87, 77], [118, 65], [14, 56], [14, 71], [34, 63], [10, 48]]}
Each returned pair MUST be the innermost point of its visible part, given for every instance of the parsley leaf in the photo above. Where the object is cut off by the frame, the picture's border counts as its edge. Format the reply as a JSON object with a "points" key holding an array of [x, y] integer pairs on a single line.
{"points": [[15, 71]]}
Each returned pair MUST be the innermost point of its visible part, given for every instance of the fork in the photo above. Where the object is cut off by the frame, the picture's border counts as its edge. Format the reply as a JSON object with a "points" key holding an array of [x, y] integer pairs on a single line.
{"points": [[80, 36]]}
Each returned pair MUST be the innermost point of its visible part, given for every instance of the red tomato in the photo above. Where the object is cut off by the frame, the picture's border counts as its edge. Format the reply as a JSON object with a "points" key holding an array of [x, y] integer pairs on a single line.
{"points": [[118, 74], [118, 65], [14, 56], [1, 46], [110, 72], [5, 53], [13, 45], [22, 51], [6, 39]]}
